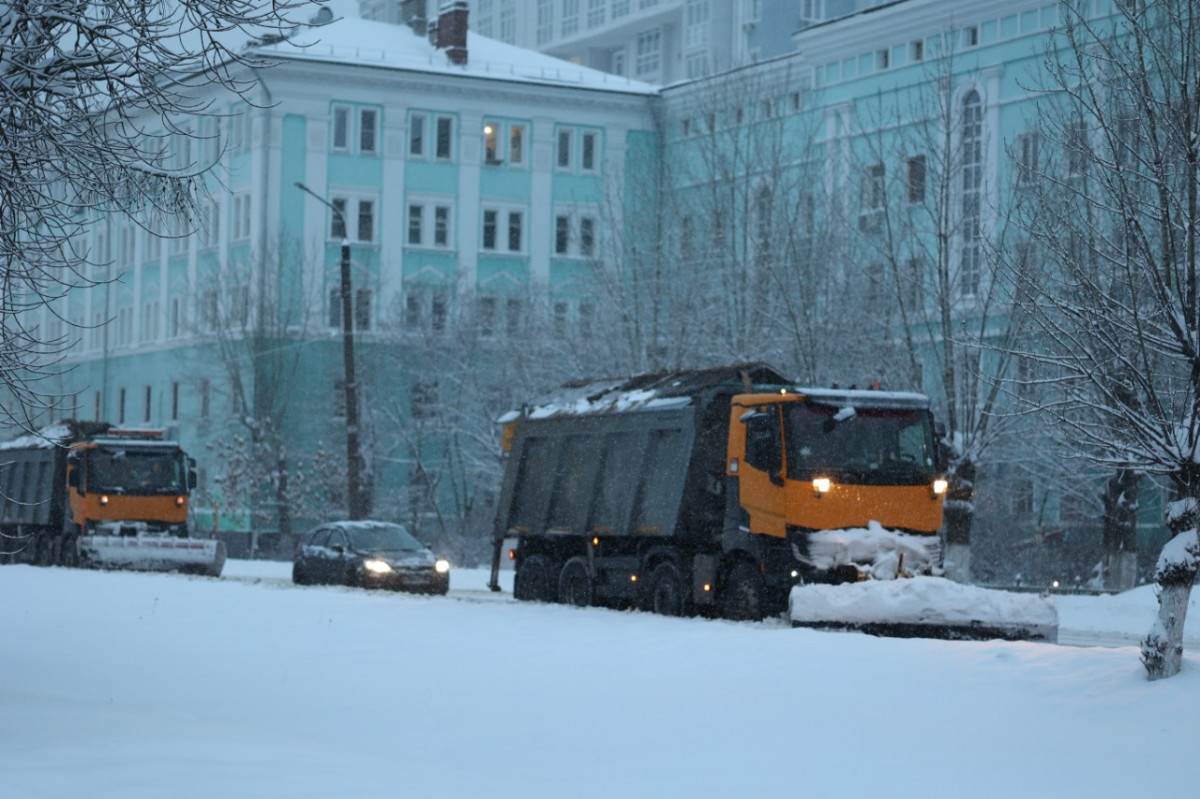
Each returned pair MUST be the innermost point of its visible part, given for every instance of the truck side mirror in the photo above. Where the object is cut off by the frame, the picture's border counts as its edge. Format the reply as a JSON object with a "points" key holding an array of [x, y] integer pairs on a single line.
{"points": [[73, 476], [191, 479]]}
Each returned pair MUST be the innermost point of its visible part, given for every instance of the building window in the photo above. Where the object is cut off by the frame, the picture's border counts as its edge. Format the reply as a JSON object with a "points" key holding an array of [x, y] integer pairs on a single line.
{"points": [[695, 27], [341, 127], [916, 179], [574, 235], [970, 36], [368, 131], [486, 307], [619, 8], [508, 22], [595, 17], [239, 228], [361, 209], [616, 61], [366, 220], [416, 217], [360, 310], [545, 21], [426, 308], [513, 231], [445, 132], [416, 135], [121, 406], [205, 398], [916, 50], [874, 188], [1025, 153], [491, 138], [174, 402], [587, 236], [648, 59], [570, 18], [587, 153], [337, 221], [147, 404], [515, 220], [490, 218], [441, 225], [564, 148], [418, 235], [516, 145], [562, 235]]}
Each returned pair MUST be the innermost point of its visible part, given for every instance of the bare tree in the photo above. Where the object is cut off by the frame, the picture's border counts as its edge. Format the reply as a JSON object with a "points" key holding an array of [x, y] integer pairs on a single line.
{"points": [[92, 95], [260, 337], [1117, 302], [926, 225]]}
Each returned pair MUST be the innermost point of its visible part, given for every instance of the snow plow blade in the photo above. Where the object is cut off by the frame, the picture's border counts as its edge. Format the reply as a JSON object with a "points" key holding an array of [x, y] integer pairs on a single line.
{"points": [[925, 607], [155, 553]]}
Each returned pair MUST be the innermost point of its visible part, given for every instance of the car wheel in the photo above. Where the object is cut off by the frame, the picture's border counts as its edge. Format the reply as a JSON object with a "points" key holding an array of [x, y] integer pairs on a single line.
{"points": [[574, 583], [298, 575], [665, 593], [743, 596], [533, 582]]}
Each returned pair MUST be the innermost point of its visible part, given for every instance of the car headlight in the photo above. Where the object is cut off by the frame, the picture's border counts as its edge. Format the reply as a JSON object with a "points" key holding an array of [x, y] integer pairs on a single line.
{"points": [[441, 566], [377, 566]]}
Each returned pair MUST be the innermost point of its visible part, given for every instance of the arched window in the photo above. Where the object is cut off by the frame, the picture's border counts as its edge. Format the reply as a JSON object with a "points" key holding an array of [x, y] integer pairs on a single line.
{"points": [[970, 269]]}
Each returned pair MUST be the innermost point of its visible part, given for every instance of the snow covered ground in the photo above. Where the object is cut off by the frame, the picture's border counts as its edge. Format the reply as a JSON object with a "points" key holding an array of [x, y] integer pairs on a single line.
{"points": [[147, 685]]}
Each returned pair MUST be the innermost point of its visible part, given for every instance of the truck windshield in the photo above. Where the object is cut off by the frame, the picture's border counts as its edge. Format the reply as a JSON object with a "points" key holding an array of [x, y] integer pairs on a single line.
{"points": [[872, 446], [131, 471]]}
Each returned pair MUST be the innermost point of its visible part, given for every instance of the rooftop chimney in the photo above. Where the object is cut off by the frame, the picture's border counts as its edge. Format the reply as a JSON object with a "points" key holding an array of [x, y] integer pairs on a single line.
{"points": [[452, 31]]}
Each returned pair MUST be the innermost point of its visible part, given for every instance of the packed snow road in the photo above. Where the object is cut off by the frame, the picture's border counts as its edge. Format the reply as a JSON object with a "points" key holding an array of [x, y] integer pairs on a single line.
{"points": [[148, 685]]}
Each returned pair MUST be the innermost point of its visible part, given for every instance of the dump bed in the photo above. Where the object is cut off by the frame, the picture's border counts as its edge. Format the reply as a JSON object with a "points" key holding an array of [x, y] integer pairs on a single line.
{"points": [[31, 486], [642, 457]]}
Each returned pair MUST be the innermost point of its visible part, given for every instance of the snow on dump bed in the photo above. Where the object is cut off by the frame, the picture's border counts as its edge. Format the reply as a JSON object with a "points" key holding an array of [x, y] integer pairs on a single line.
{"points": [[45, 438], [921, 600]]}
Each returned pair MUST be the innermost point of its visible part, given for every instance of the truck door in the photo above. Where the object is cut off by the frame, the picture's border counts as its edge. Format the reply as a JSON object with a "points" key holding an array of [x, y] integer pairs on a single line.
{"points": [[760, 477]]}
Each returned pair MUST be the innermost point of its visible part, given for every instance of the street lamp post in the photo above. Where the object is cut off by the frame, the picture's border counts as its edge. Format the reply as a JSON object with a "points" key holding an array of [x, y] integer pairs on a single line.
{"points": [[354, 495]]}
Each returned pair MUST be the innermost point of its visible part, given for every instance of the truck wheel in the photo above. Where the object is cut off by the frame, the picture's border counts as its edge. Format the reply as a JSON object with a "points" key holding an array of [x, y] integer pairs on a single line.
{"points": [[68, 555], [533, 581], [43, 550], [665, 593], [743, 596], [574, 584]]}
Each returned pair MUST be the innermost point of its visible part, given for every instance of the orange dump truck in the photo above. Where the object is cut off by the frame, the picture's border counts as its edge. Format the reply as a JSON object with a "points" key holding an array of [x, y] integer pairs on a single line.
{"points": [[715, 491], [89, 493]]}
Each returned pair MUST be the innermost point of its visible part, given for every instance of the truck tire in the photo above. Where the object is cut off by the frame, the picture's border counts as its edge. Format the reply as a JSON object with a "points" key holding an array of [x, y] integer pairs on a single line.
{"points": [[534, 581], [43, 550], [68, 555], [743, 596], [574, 583], [665, 592]]}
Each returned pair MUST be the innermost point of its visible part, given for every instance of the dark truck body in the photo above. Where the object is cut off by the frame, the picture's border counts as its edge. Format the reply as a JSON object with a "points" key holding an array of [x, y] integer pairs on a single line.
{"points": [[92, 493], [620, 493]]}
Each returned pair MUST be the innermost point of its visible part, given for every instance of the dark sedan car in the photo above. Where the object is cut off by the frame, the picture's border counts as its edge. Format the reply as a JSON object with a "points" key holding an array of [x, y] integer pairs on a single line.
{"points": [[369, 554]]}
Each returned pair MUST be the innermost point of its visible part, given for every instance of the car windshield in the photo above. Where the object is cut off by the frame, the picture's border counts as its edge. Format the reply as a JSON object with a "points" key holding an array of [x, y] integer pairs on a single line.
{"points": [[874, 446], [381, 537], [135, 471]]}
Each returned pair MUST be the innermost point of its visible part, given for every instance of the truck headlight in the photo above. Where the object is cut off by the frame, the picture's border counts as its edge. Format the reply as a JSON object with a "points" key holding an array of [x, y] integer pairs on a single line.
{"points": [[377, 566], [940, 486], [441, 566], [821, 486]]}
